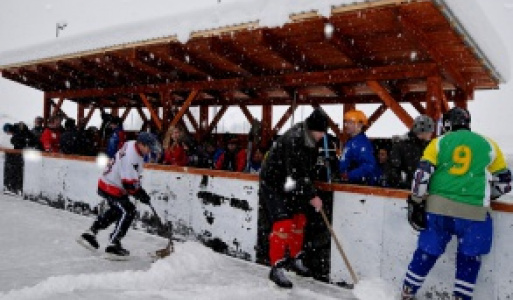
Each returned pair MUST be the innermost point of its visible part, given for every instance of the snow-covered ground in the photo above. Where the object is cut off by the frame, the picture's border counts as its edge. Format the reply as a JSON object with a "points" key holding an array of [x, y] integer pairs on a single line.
{"points": [[41, 260]]}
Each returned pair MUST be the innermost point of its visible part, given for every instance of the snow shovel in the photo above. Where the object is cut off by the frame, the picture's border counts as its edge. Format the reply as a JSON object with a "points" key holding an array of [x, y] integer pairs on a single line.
{"points": [[170, 247]]}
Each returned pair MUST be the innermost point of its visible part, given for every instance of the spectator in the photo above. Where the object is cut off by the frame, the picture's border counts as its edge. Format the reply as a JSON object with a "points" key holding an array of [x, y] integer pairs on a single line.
{"points": [[174, 152], [37, 131], [233, 159], [206, 155], [69, 143], [406, 153], [117, 138], [357, 164], [191, 151], [90, 140], [380, 166], [21, 136], [50, 138], [256, 160]]}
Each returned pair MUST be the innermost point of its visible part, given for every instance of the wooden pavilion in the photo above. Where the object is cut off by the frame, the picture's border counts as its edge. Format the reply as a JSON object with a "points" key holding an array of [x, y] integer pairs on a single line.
{"points": [[387, 52]]}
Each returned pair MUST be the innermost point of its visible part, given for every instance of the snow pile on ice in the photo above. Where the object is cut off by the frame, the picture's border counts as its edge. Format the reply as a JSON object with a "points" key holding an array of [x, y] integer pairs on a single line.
{"points": [[374, 289], [189, 258]]}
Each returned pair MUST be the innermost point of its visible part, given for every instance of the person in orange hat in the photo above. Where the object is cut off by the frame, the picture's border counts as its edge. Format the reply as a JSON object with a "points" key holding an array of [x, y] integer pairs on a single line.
{"points": [[357, 163]]}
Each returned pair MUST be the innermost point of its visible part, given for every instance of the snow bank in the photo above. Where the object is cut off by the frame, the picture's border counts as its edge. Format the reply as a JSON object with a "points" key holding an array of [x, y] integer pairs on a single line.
{"points": [[375, 288], [189, 261]]}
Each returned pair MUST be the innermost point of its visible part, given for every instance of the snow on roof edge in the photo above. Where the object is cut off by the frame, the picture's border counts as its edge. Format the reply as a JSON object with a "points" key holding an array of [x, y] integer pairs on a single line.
{"points": [[479, 37]]}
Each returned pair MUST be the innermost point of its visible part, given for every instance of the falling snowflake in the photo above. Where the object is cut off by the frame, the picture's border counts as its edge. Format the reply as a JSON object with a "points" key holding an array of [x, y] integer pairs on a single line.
{"points": [[413, 55], [328, 30]]}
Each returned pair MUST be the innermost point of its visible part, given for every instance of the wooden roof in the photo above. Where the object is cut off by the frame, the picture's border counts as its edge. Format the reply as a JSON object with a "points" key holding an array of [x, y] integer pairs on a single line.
{"points": [[397, 43]]}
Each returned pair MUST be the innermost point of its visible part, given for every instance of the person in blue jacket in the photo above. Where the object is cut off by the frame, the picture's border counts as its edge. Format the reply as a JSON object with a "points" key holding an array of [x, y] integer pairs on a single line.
{"points": [[357, 163]]}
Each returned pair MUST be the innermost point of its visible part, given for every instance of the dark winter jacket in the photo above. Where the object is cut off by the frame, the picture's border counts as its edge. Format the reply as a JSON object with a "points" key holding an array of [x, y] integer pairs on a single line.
{"points": [[22, 137], [294, 155], [358, 160], [404, 158], [232, 161], [69, 143]]}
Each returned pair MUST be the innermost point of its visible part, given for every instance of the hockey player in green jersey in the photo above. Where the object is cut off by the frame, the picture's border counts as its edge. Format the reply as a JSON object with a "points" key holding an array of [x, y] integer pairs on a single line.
{"points": [[459, 173]]}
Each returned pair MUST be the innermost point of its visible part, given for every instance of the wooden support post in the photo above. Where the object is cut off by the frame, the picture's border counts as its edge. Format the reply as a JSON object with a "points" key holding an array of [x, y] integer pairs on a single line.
{"points": [[192, 120], [125, 113], [80, 113], [376, 115], [247, 113], [57, 107], [418, 106], [143, 117], [216, 119], [184, 107], [391, 103], [89, 115], [203, 125], [434, 97], [154, 116], [283, 119], [267, 123], [46, 109]]}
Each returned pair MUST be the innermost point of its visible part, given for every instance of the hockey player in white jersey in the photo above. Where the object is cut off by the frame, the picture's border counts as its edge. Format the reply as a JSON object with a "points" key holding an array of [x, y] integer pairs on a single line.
{"points": [[122, 177]]}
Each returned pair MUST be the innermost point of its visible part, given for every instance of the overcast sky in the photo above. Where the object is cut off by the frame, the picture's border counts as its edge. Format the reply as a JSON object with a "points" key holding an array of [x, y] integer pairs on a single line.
{"points": [[27, 22]]}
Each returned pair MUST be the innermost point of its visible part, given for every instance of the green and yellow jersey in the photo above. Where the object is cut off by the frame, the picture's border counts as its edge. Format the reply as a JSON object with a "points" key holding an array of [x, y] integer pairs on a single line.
{"points": [[464, 162]]}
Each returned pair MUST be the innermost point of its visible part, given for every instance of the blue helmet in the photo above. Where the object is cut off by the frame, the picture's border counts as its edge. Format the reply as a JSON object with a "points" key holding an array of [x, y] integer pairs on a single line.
{"points": [[149, 140], [8, 127]]}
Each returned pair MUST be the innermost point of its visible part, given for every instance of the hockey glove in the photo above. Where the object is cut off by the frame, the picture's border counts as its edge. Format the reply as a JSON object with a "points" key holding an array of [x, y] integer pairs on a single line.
{"points": [[416, 214], [142, 196]]}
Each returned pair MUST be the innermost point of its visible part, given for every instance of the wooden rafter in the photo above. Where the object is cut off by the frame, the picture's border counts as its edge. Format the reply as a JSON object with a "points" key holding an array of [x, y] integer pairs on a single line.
{"points": [[57, 107], [391, 103], [153, 113], [185, 107], [420, 70], [410, 28]]}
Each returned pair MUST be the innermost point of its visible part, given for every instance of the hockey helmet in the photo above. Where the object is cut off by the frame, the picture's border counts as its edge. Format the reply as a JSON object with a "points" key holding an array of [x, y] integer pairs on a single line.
{"points": [[356, 116], [422, 124], [149, 140], [456, 118]]}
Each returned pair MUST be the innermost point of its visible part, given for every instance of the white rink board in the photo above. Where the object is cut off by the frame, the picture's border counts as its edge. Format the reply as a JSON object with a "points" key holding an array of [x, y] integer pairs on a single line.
{"points": [[175, 197], [379, 242]]}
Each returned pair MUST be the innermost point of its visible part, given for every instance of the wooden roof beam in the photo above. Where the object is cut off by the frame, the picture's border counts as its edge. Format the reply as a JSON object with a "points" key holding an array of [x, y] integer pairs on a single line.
{"points": [[286, 116], [23, 80], [413, 31], [288, 51], [130, 56], [226, 48], [376, 115], [34, 75], [216, 119], [247, 113], [96, 71], [420, 70], [193, 121], [76, 69], [331, 124]]}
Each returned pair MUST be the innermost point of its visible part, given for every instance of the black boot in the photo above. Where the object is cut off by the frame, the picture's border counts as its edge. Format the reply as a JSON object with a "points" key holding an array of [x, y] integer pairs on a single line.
{"points": [[299, 267], [88, 240], [277, 275], [116, 249]]}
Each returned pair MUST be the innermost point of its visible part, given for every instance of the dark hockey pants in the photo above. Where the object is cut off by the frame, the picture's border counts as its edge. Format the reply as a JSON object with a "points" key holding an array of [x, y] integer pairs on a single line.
{"points": [[121, 211]]}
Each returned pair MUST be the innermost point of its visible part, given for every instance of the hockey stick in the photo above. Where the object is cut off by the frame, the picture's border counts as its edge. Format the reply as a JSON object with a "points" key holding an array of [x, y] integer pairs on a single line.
{"points": [[339, 247], [327, 222], [170, 247]]}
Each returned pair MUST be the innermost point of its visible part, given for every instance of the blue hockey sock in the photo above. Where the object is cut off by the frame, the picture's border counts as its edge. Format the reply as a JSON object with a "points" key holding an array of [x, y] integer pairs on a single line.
{"points": [[467, 269], [418, 269]]}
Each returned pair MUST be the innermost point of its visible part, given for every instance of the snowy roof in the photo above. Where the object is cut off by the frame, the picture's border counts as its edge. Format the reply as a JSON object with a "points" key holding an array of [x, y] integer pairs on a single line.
{"points": [[248, 14]]}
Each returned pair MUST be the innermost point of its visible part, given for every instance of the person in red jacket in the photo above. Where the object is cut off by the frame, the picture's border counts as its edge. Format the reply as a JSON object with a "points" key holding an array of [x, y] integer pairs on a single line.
{"points": [[232, 159], [174, 154], [50, 138]]}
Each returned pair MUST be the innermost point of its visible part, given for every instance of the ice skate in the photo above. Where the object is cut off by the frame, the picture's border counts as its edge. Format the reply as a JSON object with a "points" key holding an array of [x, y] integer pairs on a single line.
{"points": [[116, 252], [88, 240], [297, 266], [277, 275]]}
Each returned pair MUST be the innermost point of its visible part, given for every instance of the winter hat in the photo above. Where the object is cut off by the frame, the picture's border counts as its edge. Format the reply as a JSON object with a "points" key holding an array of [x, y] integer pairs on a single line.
{"points": [[317, 121], [422, 124], [8, 127], [149, 140]]}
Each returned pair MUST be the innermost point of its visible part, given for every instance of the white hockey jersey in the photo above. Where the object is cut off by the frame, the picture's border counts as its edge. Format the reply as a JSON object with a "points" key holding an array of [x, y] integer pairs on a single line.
{"points": [[123, 173]]}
